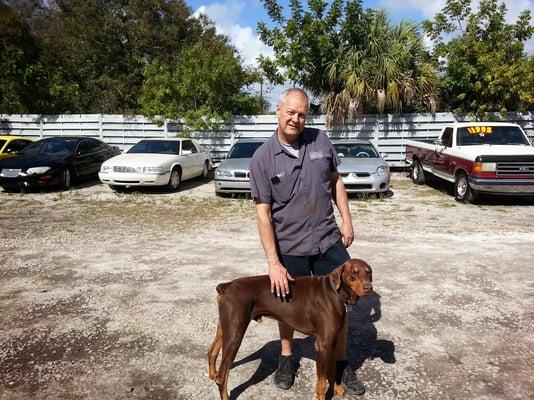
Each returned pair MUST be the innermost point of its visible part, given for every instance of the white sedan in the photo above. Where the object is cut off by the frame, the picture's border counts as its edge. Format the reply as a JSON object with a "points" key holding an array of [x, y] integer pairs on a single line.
{"points": [[157, 162]]}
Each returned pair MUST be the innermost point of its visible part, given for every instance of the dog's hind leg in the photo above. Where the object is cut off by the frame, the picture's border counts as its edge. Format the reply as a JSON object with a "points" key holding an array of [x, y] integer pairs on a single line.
{"points": [[213, 353], [232, 339]]}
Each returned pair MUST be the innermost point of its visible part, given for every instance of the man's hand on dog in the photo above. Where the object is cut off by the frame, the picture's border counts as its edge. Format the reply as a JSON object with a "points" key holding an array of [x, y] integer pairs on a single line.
{"points": [[279, 279]]}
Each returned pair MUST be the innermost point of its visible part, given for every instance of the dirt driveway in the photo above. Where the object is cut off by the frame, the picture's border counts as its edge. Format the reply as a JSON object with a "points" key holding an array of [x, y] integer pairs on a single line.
{"points": [[112, 296]]}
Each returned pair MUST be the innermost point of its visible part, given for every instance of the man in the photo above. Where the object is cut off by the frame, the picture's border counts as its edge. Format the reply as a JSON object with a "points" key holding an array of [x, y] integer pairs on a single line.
{"points": [[293, 182]]}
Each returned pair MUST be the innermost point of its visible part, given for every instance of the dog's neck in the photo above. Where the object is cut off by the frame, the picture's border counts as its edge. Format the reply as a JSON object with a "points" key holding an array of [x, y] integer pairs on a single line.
{"points": [[345, 292]]}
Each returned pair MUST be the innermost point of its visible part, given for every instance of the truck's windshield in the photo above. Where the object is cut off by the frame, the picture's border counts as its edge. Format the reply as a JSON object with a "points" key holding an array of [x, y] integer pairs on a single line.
{"points": [[475, 135]]}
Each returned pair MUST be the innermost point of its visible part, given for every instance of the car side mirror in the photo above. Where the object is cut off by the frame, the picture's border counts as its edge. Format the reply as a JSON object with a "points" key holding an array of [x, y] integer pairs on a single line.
{"points": [[384, 155], [439, 142], [340, 155], [186, 152]]}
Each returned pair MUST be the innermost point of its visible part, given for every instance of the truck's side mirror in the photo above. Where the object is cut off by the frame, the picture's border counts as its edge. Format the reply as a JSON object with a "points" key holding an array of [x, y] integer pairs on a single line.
{"points": [[438, 141]]}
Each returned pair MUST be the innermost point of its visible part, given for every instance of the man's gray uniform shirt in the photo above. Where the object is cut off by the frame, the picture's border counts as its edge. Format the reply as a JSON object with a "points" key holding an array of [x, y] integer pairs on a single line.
{"points": [[299, 191]]}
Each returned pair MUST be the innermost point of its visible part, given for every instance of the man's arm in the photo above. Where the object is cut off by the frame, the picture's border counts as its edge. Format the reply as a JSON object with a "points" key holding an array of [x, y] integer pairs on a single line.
{"points": [[339, 194], [277, 273]]}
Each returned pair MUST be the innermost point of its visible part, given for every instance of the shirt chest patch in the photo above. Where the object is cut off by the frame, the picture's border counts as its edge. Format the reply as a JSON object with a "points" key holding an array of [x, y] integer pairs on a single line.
{"points": [[316, 155]]}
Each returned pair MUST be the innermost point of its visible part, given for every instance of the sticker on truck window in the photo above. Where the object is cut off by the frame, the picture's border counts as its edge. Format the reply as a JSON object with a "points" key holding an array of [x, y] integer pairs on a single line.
{"points": [[480, 130]]}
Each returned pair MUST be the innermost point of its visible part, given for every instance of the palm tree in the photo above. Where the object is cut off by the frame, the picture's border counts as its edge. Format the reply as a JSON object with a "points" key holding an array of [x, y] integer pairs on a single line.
{"points": [[389, 72]]}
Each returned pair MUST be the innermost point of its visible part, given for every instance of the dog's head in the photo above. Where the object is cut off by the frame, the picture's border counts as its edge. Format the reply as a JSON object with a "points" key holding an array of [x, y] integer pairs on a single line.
{"points": [[355, 276]]}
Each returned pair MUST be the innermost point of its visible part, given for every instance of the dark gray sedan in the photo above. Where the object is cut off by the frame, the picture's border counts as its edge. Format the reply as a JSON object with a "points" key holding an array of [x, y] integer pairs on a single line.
{"points": [[362, 168], [232, 175]]}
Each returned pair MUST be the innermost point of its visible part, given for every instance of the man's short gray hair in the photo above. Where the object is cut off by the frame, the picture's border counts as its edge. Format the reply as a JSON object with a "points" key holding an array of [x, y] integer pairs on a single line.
{"points": [[290, 91]]}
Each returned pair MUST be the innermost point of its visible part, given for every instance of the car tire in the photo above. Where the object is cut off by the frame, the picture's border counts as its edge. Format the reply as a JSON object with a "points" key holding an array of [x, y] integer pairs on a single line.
{"points": [[463, 191], [205, 171], [66, 179], [175, 180], [417, 174]]}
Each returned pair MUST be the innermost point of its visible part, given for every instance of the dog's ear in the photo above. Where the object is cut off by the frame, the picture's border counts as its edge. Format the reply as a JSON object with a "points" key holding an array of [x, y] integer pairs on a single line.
{"points": [[335, 277]]}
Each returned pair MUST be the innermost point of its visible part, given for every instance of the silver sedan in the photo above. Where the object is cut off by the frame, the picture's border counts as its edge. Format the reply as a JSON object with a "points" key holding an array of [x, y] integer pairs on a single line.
{"points": [[362, 168], [232, 175]]}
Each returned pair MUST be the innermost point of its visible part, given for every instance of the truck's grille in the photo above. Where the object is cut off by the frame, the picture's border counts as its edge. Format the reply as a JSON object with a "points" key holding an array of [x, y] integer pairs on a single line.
{"points": [[505, 168]]}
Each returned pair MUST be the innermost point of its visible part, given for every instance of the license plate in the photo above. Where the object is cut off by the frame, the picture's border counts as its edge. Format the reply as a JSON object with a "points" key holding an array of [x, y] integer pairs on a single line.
{"points": [[9, 173]]}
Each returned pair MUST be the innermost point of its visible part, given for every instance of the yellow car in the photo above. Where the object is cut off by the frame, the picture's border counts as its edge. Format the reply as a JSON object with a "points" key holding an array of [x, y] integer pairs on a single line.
{"points": [[12, 145]]}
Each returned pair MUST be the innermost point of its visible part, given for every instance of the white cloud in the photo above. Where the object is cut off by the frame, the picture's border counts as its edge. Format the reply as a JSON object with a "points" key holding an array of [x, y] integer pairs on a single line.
{"points": [[427, 8], [226, 18]]}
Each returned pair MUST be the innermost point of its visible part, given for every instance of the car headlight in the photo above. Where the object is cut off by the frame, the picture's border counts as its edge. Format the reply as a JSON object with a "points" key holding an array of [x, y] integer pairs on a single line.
{"points": [[105, 168], [223, 173], [382, 170], [37, 170], [152, 170]]}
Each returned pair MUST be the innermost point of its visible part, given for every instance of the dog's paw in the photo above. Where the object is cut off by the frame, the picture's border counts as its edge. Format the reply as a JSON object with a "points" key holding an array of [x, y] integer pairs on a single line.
{"points": [[339, 390]]}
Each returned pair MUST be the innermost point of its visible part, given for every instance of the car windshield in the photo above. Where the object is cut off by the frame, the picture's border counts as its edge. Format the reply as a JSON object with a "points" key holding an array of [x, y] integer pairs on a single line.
{"points": [[354, 150], [156, 147], [475, 135], [52, 147], [2, 142], [244, 150]]}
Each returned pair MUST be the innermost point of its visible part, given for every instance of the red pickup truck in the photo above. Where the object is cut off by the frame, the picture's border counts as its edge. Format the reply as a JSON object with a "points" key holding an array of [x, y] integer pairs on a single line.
{"points": [[481, 157]]}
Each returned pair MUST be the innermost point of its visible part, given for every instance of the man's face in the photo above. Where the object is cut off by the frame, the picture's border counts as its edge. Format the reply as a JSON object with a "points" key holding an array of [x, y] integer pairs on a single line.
{"points": [[292, 115]]}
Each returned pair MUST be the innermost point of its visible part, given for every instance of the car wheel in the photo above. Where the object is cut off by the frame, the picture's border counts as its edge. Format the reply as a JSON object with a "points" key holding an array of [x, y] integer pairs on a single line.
{"points": [[66, 179], [174, 180], [463, 191], [417, 173], [205, 171]]}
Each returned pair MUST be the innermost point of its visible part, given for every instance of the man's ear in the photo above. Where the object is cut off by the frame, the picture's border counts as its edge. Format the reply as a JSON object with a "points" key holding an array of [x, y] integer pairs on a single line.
{"points": [[335, 277]]}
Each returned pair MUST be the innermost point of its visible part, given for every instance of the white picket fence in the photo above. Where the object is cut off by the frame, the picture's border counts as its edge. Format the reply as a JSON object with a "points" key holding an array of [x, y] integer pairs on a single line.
{"points": [[388, 132]]}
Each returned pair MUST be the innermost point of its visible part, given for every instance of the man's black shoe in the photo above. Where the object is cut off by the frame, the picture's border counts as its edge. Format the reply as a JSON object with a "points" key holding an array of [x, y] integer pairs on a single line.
{"points": [[285, 374], [348, 378]]}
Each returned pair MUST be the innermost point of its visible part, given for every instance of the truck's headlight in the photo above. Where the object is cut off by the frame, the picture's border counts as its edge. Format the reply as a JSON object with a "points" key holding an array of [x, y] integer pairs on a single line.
{"points": [[485, 167]]}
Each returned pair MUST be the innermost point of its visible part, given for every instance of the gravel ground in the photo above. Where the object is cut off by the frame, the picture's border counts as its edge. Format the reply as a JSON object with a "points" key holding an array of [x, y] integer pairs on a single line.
{"points": [[112, 296]]}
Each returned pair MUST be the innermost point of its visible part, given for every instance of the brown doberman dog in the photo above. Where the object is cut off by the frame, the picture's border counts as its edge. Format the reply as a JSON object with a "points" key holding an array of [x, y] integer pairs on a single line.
{"points": [[317, 306]]}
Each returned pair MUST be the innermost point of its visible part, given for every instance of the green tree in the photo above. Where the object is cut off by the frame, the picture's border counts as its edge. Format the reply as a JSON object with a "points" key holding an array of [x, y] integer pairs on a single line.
{"points": [[305, 43], [96, 50], [352, 59], [204, 85], [481, 57], [389, 72], [20, 71]]}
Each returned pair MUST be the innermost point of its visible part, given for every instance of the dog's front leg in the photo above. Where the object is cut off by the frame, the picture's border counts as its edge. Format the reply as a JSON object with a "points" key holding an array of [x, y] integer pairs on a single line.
{"points": [[323, 354]]}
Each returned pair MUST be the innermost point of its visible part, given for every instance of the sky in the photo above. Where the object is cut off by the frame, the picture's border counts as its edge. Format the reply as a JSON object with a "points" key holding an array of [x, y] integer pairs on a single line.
{"points": [[238, 20]]}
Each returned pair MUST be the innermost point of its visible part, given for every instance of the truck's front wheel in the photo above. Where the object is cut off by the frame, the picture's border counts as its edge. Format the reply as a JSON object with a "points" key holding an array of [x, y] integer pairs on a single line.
{"points": [[463, 191], [417, 173]]}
